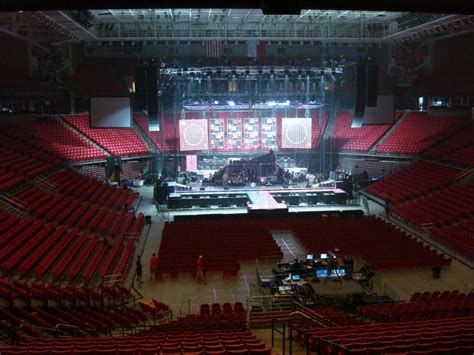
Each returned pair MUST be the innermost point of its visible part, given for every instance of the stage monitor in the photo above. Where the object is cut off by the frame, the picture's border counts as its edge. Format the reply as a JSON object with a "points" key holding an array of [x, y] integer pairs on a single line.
{"points": [[321, 273], [193, 135], [310, 257], [110, 112], [295, 277], [324, 256], [296, 133]]}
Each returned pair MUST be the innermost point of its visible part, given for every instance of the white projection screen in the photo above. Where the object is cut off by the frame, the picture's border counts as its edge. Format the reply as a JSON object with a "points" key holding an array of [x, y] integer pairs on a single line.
{"points": [[193, 135], [110, 112], [296, 133]]}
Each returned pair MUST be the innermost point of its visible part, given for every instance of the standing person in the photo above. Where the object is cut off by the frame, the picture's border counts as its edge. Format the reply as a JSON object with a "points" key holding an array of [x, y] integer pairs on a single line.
{"points": [[139, 270], [199, 269], [153, 266]]}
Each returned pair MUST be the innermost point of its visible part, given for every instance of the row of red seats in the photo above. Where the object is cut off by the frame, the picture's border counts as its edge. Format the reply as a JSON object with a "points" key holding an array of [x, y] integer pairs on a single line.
{"points": [[26, 292], [459, 306], [419, 131], [76, 212], [346, 138], [130, 170], [449, 205], [454, 146], [457, 237], [56, 137], [152, 342], [414, 181], [411, 335], [178, 250], [72, 183], [376, 242], [117, 141], [437, 296]]}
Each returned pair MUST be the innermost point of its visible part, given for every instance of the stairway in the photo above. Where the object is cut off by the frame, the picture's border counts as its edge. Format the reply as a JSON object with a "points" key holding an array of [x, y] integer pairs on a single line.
{"points": [[373, 149], [144, 137], [80, 135]]}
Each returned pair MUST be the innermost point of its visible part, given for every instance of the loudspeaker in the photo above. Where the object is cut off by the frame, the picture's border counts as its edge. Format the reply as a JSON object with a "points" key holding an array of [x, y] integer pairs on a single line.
{"points": [[361, 89], [202, 189], [371, 85], [140, 87], [436, 272], [152, 89]]}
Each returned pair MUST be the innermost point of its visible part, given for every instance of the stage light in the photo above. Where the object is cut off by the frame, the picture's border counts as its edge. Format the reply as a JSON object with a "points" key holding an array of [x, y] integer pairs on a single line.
{"points": [[271, 103], [216, 102], [287, 103], [231, 103]]}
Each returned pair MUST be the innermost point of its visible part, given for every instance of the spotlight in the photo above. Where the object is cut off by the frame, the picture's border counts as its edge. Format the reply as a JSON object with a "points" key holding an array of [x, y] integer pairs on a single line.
{"points": [[231, 103]]}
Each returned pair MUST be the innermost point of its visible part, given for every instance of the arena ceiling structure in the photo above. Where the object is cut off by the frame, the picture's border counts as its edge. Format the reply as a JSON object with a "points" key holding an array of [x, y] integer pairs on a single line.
{"points": [[233, 24]]}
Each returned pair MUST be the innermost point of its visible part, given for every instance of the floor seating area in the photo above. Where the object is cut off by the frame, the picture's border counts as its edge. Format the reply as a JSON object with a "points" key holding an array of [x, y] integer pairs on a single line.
{"points": [[361, 139], [55, 137], [418, 131], [440, 208], [233, 342], [116, 141], [376, 242], [434, 336], [414, 181], [222, 243]]}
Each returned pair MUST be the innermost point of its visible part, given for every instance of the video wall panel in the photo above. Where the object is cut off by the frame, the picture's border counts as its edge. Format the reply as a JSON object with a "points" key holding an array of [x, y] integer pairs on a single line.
{"points": [[234, 133], [193, 135], [217, 133], [268, 132], [296, 133], [251, 133]]}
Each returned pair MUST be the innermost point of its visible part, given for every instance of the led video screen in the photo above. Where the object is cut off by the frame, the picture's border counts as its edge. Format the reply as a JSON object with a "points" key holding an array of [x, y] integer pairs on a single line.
{"points": [[296, 133], [193, 135]]}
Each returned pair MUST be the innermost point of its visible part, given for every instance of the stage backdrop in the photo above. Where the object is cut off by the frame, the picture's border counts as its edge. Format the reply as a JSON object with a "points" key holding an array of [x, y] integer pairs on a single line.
{"points": [[296, 133], [193, 135]]}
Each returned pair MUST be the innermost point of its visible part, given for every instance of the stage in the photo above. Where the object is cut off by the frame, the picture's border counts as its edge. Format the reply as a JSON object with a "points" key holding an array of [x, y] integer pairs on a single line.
{"points": [[213, 200]]}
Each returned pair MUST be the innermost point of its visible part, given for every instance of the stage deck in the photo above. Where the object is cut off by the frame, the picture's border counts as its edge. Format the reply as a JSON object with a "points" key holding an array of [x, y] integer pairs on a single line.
{"points": [[262, 199]]}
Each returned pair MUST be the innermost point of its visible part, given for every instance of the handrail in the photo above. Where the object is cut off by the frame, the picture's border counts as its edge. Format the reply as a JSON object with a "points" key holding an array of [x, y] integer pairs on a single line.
{"points": [[311, 312], [46, 184], [19, 208], [14, 198]]}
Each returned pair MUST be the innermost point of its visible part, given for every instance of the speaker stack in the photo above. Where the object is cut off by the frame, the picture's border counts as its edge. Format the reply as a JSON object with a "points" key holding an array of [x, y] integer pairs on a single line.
{"points": [[366, 88], [146, 87]]}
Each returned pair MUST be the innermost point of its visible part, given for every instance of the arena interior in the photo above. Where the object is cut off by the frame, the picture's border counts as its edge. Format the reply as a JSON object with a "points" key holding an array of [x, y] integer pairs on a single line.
{"points": [[180, 178]]}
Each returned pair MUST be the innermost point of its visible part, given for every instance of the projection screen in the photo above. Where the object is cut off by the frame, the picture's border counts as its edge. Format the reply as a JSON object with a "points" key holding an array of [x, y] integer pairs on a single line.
{"points": [[110, 112]]}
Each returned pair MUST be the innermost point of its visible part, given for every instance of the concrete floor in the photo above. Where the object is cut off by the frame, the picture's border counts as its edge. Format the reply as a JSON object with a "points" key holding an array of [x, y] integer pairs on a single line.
{"points": [[185, 294]]}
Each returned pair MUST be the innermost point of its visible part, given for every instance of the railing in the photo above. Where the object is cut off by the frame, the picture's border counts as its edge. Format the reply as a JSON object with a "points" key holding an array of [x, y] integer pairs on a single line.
{"points": [[12, 203], [43, 183]]}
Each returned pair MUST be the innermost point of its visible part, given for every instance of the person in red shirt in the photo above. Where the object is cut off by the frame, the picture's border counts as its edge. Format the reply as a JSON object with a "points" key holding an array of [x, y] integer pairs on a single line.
{"points": [[153, 266], [199, 269]]}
